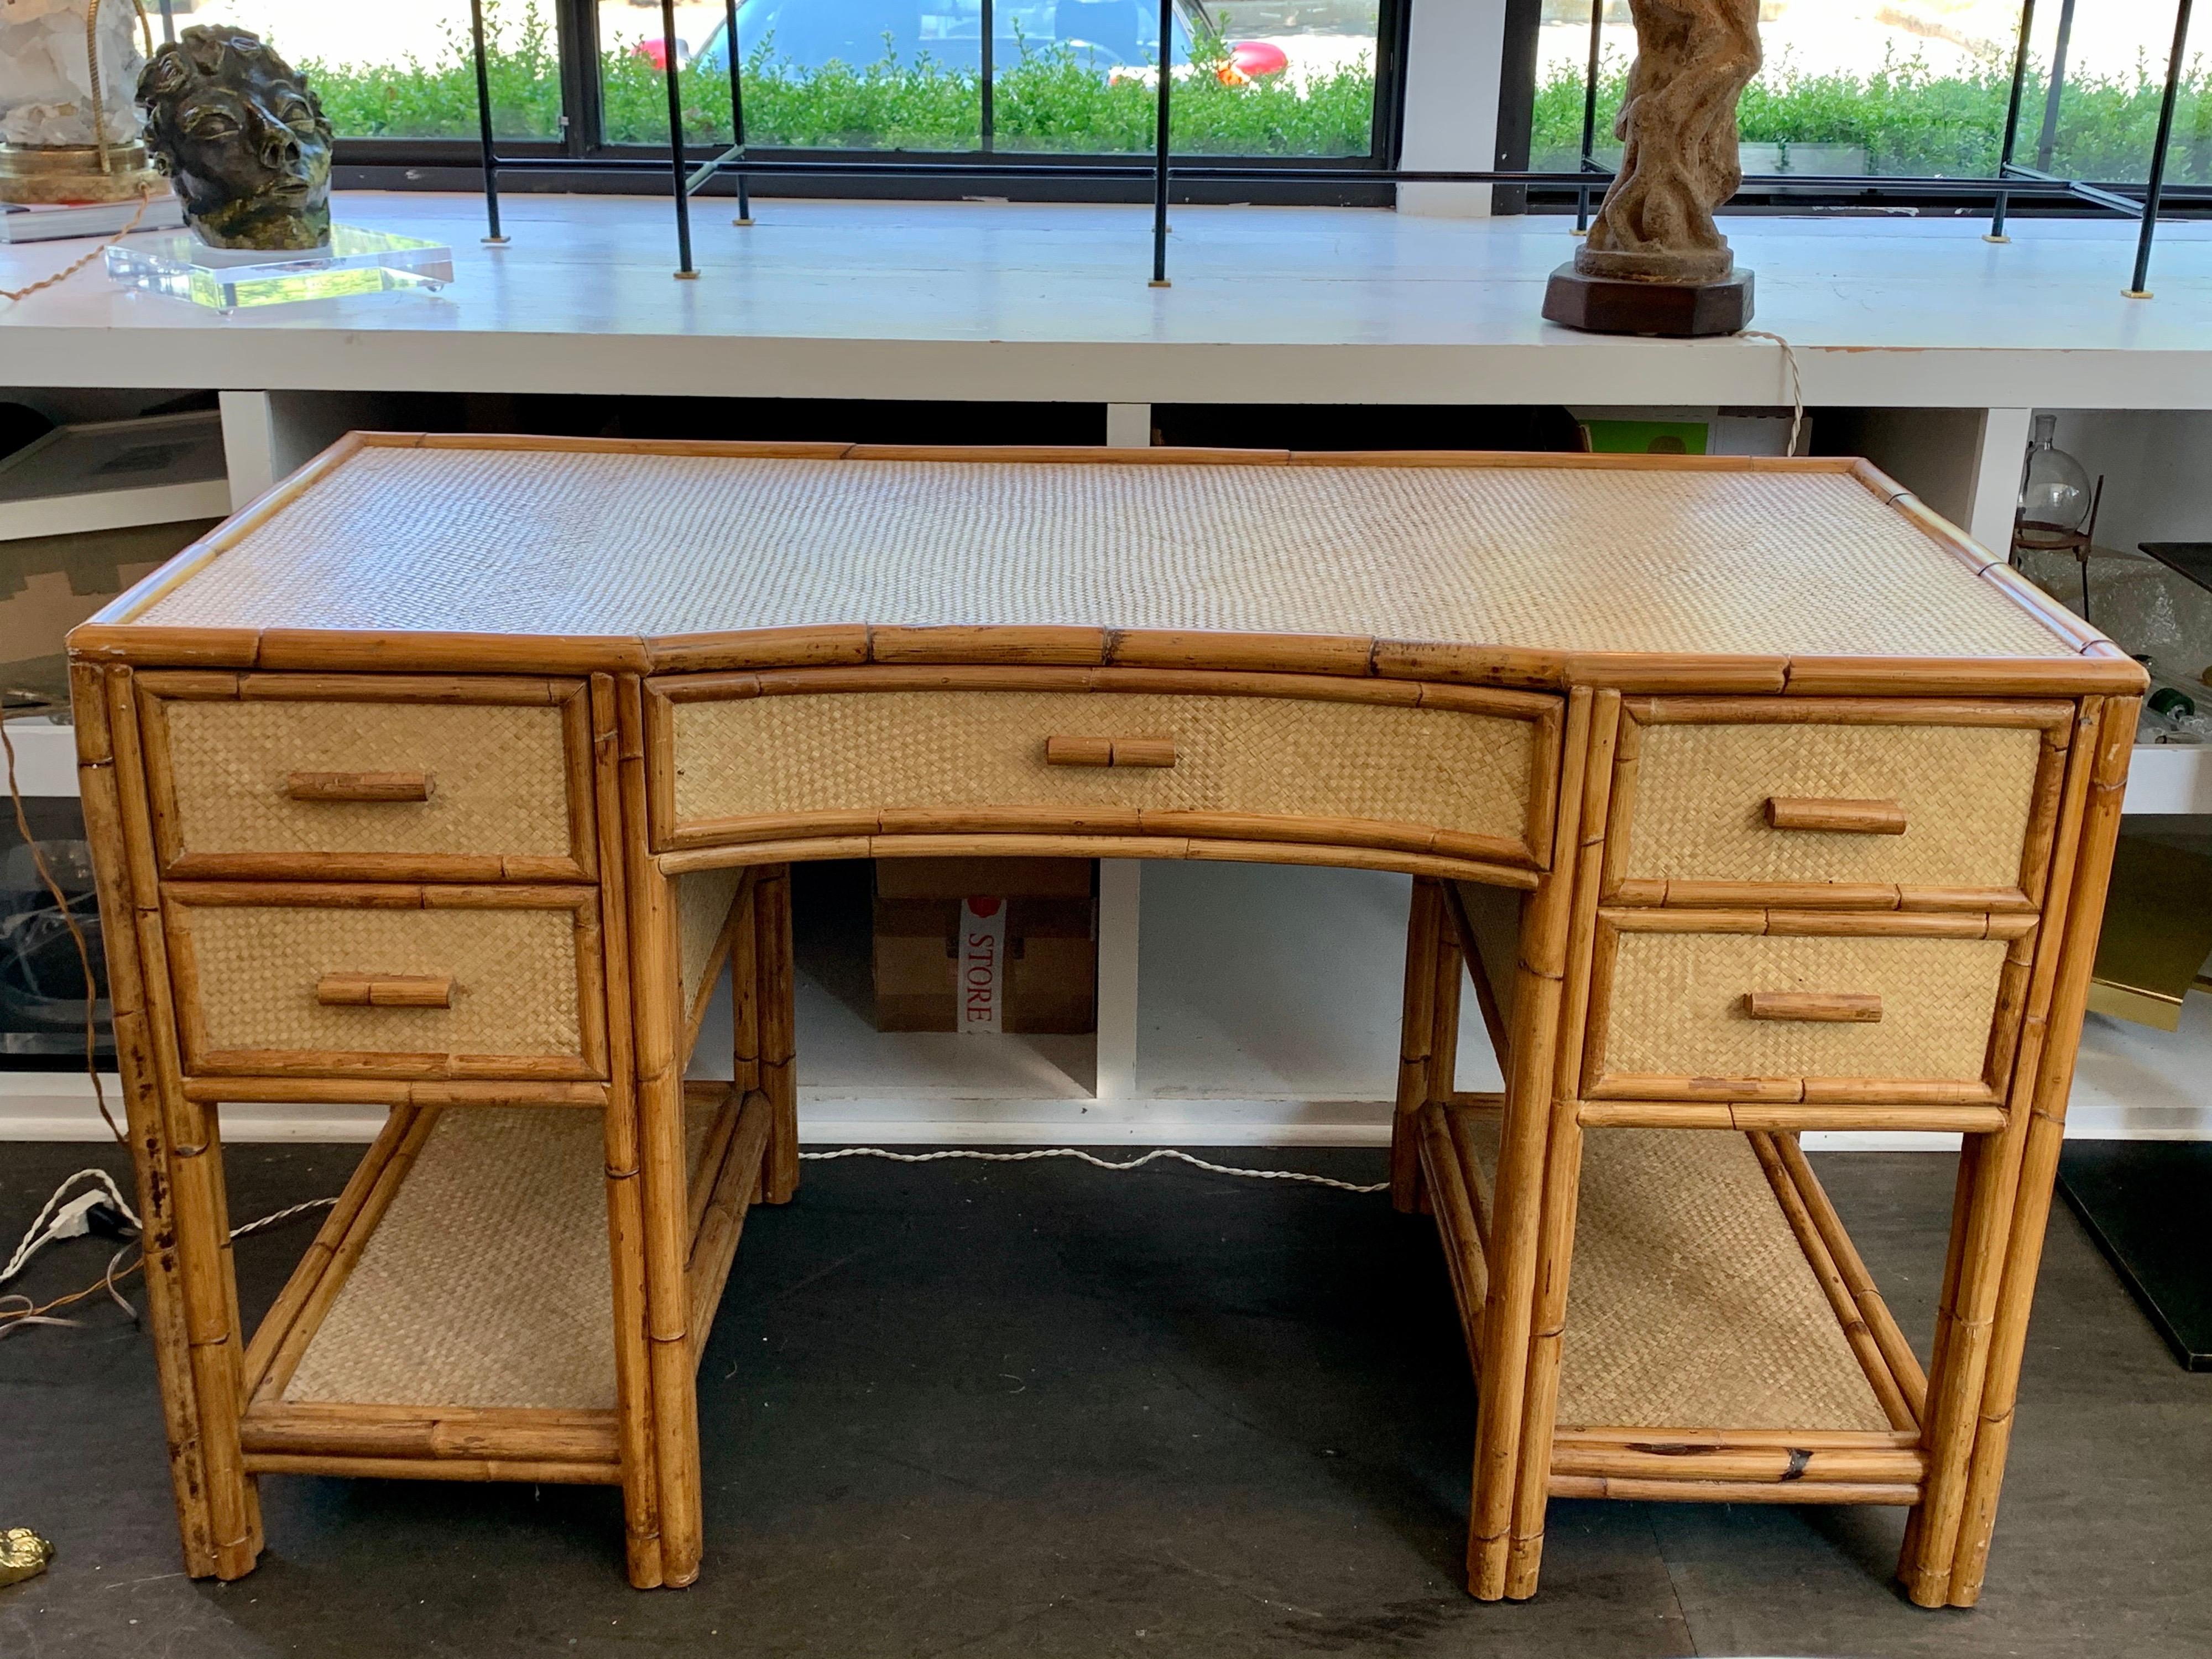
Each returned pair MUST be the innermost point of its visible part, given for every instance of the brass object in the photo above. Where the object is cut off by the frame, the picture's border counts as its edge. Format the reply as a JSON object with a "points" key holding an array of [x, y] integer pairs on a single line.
{"points": [[43, 173], [2158, 932], [23, 1554], [242, 136]]}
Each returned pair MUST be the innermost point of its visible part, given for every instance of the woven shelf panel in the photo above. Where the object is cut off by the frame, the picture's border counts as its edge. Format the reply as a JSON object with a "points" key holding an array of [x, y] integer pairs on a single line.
{"points": [[497, 777], [1689, 1303], [1265, 754], [487, 1283], [1678, 1006], [513, 973], [703, 906], [535, 541], [1701, 792]]}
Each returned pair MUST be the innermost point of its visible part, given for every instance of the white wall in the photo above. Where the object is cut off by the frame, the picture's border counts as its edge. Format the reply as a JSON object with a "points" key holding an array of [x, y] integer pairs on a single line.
{"points": [[1451, 102]]}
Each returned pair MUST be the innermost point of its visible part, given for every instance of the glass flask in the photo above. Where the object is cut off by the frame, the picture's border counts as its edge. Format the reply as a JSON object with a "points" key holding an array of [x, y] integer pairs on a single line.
{"points": [[2055, 498]]}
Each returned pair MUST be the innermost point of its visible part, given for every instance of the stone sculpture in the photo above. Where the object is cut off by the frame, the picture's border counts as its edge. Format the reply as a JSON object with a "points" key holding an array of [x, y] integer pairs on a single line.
{"points": [[242, 138], [1654, 262]]}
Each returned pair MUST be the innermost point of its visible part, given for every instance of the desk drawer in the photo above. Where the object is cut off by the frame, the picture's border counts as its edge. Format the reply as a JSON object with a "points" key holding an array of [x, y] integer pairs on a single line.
{"points": [[1853, 802], [1771, 1005], [370, 776], [307, 980], [1470, 774]]}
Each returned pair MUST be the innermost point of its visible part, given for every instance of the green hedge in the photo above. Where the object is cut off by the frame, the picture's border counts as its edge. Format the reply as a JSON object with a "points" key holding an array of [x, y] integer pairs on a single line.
{"points": [[1044, 101], [1907, 119], [1910, 120]]}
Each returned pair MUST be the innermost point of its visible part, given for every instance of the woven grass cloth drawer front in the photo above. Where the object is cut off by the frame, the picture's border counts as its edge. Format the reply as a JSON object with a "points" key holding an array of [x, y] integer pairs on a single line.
{"points": [[851, 759], [505, 801], [1672, 1021], [1972, 781], [525, 998]]}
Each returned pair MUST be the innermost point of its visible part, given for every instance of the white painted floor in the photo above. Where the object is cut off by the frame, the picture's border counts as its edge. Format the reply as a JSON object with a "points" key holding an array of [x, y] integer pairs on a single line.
{"points": [[1050, 302]]}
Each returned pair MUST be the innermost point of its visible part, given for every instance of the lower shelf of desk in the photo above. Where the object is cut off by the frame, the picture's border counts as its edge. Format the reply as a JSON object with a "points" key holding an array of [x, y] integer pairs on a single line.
{"points": [[1722, 1340], [454, 1319]]}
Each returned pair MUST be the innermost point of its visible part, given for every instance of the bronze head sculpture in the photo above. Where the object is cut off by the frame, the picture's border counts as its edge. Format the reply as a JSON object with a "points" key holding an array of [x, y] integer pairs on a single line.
{"points": [[242, 138]]}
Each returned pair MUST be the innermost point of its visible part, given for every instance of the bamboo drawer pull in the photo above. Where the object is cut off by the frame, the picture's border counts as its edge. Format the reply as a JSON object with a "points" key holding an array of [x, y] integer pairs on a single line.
{"points": [[384, 990], [1851, 817], [1820, 1007], [358, 786], [1110, 752]]}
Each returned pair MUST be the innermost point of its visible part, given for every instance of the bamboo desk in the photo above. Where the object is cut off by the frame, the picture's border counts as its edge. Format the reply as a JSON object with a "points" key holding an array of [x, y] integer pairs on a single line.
{"points": [[1748, 796]]}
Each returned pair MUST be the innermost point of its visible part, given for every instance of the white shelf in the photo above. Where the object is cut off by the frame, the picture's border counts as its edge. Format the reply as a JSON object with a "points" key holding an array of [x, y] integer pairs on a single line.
{"points": [[113, 475], [2169, 778]]}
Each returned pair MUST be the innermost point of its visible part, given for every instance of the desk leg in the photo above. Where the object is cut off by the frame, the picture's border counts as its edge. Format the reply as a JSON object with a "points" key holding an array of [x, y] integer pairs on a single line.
{"points": [[1517, 1236], [1563, 1155], [192, 1302], [1417, 1042], [626, 1249], [1948, 1538], [665, 1190], [779, 1076]]}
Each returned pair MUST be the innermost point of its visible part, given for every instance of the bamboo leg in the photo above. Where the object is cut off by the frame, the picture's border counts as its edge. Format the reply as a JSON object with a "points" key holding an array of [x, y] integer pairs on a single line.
{"points": [[200, 1228], [1562, 1154], [744, 991], [663, 1195], [145, 1121], [2053, 1079], [778, 1066], [1989, 1180], [1517, 1242], [640, 1477], [1419, 1027]]}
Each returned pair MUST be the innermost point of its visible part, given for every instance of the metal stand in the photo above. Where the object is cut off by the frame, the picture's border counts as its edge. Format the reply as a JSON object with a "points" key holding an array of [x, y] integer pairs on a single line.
{"points": [[737, 112], [493, 236], [1162, 100], [2156, 184], [685, 271], [1997, 231], [1590, 117]]}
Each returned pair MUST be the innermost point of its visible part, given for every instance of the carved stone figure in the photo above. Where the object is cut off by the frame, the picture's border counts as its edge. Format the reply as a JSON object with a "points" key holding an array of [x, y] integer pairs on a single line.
{"points": [[1678, 129], [242, 138], [1677, 126]]}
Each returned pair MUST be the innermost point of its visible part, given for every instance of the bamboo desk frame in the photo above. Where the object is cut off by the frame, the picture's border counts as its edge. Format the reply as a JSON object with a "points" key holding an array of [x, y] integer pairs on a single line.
{"points": [[1502, 775]]}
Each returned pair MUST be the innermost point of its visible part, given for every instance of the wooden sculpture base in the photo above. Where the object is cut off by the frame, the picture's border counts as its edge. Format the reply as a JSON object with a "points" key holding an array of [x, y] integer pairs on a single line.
{"points": [[1620, 305]]}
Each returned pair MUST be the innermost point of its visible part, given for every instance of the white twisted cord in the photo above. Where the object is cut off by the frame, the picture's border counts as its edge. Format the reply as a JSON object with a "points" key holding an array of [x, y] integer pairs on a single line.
{"points": [[1099, 1163], [1796, 382]]}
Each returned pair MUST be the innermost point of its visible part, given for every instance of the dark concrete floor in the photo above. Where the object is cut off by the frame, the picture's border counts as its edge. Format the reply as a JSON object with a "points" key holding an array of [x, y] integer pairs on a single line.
{"points": [[1038, 1409]]}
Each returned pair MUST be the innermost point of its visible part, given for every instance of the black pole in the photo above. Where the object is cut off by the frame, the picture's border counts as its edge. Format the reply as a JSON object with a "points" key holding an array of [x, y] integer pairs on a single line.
{"points": [[668, 67], [1160, 147], [736, 108], [1996, 230], [989, 72], [2136, 289], [168, 22], [493, 238], [1589, 112], [2047, 140]]}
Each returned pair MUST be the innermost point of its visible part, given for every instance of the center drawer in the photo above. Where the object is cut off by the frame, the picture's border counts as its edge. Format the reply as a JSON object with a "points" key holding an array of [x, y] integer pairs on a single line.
{"points": [[1452, 770], [369, 777], [1784, 1006], [307, 980], [1858, 802]]}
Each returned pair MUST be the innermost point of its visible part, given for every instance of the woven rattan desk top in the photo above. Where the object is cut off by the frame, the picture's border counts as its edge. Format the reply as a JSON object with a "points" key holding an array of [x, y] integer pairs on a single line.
{"points": [[1544, 556]]}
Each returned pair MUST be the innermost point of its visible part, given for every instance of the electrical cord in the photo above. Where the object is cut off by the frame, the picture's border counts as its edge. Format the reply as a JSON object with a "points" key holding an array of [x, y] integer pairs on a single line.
{"points": [[1796, 382], [1098, 1163]]}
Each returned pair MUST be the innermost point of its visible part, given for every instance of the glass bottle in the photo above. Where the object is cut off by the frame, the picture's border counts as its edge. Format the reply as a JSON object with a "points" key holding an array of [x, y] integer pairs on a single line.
{"points": [[2054, 497]]}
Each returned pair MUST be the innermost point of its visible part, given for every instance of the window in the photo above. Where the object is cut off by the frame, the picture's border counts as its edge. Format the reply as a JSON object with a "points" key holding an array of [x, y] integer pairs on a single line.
{"points": [[1066, 77]]}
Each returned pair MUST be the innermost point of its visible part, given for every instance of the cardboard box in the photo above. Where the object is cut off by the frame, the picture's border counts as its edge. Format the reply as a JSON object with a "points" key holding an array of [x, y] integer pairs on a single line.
{"points": [[1050, 966]]}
